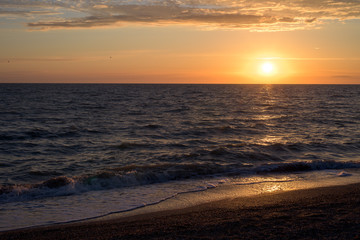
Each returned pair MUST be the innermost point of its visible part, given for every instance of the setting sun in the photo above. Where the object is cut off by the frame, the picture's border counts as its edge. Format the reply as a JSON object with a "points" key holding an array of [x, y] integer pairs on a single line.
{"points": [[267, 69]]}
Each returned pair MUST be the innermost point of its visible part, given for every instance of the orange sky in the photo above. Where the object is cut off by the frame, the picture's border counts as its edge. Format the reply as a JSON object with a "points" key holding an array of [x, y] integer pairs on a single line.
{"points": [[183, 41]]}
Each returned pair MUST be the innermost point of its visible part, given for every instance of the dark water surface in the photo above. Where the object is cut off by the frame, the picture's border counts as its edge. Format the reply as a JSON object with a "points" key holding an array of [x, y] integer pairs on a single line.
{"points": [[59, 140]]}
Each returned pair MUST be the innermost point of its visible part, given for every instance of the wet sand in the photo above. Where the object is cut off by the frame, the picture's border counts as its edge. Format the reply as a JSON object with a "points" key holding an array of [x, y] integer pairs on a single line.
{"points": [[320, 213]]}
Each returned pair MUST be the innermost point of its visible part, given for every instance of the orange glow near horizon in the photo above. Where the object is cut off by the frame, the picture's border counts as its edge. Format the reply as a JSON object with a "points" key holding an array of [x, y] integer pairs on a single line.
{"points": [[164, 67]]}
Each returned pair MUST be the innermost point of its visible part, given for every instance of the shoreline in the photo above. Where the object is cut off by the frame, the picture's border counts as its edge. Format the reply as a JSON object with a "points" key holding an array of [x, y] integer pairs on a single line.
{"points": [[324, 212]]}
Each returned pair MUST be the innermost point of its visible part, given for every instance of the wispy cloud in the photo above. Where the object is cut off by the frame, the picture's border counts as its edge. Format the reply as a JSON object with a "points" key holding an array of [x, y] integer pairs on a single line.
{"points": [[310, 59], [354, 76], [16, 59], [24, 13], [260, 15]]}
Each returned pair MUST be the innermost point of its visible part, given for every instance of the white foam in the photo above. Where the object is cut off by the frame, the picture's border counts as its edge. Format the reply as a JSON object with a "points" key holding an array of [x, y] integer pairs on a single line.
{"points": [[344, 174], [266, 185], [156, 197]]}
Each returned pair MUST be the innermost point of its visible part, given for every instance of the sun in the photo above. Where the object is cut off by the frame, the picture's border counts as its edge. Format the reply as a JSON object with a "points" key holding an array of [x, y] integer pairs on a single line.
{"points": [[267, 69]]}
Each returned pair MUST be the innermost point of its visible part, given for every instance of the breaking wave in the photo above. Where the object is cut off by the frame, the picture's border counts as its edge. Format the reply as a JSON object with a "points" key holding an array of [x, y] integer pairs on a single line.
{"points": [[136, 175]]}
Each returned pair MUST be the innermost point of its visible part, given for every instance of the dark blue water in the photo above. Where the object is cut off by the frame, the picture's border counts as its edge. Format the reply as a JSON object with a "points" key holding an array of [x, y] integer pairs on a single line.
{"points": [[58, 140]]}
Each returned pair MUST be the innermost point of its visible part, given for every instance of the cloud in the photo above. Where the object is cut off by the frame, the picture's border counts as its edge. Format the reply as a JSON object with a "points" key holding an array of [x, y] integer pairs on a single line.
{"points": [[346, 77], [14, 60], [24, 13], [260, 15]]}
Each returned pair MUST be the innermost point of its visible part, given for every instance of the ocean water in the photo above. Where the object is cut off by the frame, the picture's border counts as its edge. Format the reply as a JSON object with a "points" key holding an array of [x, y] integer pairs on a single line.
{"points": [[77, 151]]}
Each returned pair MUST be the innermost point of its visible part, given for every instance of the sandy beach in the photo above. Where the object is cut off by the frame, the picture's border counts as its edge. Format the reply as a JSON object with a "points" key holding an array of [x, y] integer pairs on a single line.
{"points": [[320, 213]]}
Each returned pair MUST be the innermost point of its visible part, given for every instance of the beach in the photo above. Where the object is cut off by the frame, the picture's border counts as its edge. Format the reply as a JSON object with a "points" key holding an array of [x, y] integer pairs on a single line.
{"points": [[318, 213]]}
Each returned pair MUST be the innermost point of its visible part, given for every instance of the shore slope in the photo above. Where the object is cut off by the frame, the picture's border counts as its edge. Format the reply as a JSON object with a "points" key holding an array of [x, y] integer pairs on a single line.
{"points": [[320, 213]]}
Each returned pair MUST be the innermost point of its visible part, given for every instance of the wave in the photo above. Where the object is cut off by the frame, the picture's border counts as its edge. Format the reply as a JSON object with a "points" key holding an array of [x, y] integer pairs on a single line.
{"points": [[42, 133], [131, 145], [122, 177], [137, 175], [305, 166], [152, 126]]}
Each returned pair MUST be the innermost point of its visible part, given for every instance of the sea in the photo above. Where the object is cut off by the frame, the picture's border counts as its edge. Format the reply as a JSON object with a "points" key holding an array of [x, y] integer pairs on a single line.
{"points": [[71, 152]]}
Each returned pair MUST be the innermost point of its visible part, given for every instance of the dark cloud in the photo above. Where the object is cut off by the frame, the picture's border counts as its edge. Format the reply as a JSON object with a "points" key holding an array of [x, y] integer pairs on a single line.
{"points": [[259, 15], [310, 20]]}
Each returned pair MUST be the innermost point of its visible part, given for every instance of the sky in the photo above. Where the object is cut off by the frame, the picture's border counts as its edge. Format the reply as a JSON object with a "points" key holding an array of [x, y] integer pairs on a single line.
{"points": [[180, 41]]}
